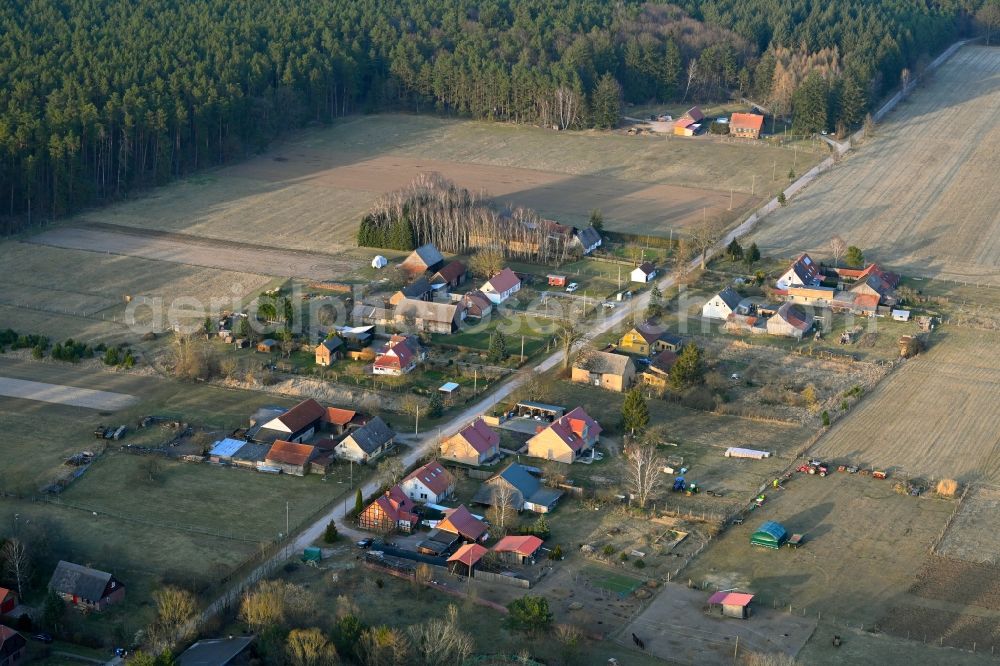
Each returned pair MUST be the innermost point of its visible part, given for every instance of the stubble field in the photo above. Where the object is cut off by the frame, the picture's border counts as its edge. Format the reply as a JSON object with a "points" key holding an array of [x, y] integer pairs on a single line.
{"points": [[922, 195]]}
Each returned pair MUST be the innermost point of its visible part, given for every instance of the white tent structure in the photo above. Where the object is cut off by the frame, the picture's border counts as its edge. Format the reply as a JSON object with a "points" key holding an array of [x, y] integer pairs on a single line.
{"points": [[379, 261], [736, 452]]}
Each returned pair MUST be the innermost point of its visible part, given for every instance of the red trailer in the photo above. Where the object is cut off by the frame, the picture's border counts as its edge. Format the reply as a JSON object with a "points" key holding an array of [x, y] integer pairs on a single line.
{"points": [[557, 280]]}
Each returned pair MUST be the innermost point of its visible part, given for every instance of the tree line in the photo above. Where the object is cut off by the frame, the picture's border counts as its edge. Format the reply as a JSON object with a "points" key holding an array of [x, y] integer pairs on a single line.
{"points": [[100, 98]]}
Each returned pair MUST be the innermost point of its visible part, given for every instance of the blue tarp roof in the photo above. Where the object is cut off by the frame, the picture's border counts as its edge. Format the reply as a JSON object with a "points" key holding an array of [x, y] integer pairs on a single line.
{"points": [[227, 447], [775, 530]]}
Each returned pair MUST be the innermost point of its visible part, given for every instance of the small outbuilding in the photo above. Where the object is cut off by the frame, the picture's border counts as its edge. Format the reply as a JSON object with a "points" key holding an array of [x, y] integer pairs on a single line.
{"points": [[731, 604], [8, 601], [467, 556], [769, 535], [267, 346]]}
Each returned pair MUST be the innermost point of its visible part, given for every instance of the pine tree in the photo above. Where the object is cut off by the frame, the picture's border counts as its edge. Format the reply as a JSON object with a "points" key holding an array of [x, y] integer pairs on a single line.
{"points": [[811, 104], [635, 412], [852, 102], [597, 219], [855, 257], [606, 103], [359, 503], [752, 255], [498, 347], [734, 251], [782, 199], [330, 534], [435, 406], [689, 369]]}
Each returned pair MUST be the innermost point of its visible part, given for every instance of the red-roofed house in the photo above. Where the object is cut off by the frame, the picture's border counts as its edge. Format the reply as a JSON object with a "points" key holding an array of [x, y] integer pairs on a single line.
{"points": [[297, 424], [391, 511], [468, 556], [460, 521], [688, 124], [339, 420], [290, 457], [518, 549], [746, 125], [453, 275], [12, 646], [475, 444], [566, 438], [430, 483], [397, 357], [804, 272], [501, 286], [8, 600], [476, 304]]}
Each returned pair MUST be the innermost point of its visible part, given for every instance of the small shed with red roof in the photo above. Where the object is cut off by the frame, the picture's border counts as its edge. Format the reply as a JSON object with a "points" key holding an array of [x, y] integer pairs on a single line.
{"points": [[518, 549], [460, 521], [290, 457], [731, 604], [467, 556]]}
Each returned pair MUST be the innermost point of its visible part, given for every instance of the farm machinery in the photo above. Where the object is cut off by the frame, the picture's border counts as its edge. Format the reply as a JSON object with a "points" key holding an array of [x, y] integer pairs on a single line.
{"points": [[815, 467]]}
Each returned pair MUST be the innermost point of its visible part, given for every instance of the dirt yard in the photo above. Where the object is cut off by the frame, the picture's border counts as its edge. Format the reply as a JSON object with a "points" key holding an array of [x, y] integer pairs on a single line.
{"points": [[934, 417], [675, 626], [921, 195], [971, 535]]}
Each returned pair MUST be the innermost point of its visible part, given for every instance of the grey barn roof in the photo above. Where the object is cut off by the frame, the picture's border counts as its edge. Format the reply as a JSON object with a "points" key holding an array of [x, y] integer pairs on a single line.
{"points": [[730, 297], [530, 487], [604, 363], [588, 236], [373, 435], [214, 651], [80, 581]]}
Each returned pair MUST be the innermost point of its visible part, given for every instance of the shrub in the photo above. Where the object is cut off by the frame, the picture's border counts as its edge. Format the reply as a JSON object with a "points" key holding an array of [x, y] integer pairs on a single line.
{"points": [[639, 564], [556, 553], [826, 419], [623, 557], [947, 487], [37, 352], [330, 534], [609, 550]]}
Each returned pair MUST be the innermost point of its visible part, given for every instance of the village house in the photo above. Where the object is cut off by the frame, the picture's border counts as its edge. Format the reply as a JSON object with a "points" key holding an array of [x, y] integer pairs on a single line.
{"points": [[431, 483], [566, 439], [803, 272], [418, 290], [12, 646], [371, 313], [722, 304], [501, 286], [746, 125], [462, 523], [790, 321], [657, 374], [615, 372], [290, 457], [329, 351], [646, 339], [392, 510], [476, 304], [588, 239], [874, 285], [338, 420], [475, 444], [8, 601], [84, 587], [366, 443], [524, 491], [430, 317], [296, 425], [452, 275], [518, 549], [820, 297], [398, 357], [856, 274], [643, 273], [425, 258], [689, 123]]}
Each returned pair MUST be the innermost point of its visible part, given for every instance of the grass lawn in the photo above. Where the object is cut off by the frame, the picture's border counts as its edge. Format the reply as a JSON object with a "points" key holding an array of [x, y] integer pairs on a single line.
{"points": [[620, 584]]}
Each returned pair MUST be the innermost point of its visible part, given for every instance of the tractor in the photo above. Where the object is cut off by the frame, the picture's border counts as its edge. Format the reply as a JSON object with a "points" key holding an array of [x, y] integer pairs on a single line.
{"points": [[815, 467]]}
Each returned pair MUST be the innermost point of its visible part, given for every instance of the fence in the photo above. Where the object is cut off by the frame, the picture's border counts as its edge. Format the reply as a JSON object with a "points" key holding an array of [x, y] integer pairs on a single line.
{"points": [[502, 579]]}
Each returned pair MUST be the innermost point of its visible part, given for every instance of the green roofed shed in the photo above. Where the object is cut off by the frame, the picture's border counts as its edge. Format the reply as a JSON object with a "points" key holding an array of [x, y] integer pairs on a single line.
{"points": [[769, 535], [312, 554]]}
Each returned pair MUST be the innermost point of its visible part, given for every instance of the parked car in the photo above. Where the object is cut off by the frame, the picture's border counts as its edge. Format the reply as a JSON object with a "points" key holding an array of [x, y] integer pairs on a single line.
{"points": [[366, 543], [608, 305], [42, 637], [571, 287]]}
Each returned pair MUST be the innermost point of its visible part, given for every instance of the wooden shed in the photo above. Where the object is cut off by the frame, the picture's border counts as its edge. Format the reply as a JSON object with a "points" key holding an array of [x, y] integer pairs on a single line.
{"points": [[731, 604]]}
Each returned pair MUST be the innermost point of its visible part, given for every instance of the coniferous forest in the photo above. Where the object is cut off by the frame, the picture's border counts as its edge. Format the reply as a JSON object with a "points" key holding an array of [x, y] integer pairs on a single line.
{"points": [[99, 98]]}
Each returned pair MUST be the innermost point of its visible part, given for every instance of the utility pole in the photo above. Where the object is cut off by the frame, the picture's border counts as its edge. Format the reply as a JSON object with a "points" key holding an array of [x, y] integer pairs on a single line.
{"points": [[522, 351], [475, 372], [774, 170], [730, 198], [753, 185], [620, 274], [286, 519]]}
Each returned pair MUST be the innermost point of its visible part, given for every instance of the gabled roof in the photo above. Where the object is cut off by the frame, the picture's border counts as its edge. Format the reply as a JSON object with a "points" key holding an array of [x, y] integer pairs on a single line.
{"points": [[522, 545], [4, 593], [469, 554], [664, 360], [646, 267], [479, 436], [398, 355], [338, 416], [519, 477], [695, 114], [80, 581], [417, 288], [372, 436], [461, 521], [589, 236], [805, 268], [751, 121], [730, 297], [426, 255], [730, 598], [477, 300], [214, 651], [301, 415], [605, 363], [504, 280], [427, 310], [451, 272], [795, 316], [332, 344], [866, 301], [570, 428], [16, 641], [434, 476], [290, 453], [396, 505]]}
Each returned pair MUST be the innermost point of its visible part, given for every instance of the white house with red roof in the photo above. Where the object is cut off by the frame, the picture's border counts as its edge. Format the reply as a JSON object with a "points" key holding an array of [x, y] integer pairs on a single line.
{"points": [[804, 272], [501, 286], [390, 511], [397, 357], [431, 483], [567, 438], [475, 444]]}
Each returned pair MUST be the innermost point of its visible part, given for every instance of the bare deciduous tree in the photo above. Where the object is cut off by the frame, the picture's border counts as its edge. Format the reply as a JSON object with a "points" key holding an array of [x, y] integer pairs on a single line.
{"points": [[568, 335], [502, 514], [567, 106], [175, 613], [439, 641], [837, 248], [692, 75], [413, 406], [487, 262], [643, 471], [16, 563], [264, 606], [705, 234], [569, 637], [309, 647], [390, 471], [384, 646]]}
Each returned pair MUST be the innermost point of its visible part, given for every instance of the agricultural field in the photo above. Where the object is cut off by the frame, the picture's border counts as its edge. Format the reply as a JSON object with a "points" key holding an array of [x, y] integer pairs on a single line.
{"points": [[921, 195], [935, 417], [971, 536], [310, 192]]}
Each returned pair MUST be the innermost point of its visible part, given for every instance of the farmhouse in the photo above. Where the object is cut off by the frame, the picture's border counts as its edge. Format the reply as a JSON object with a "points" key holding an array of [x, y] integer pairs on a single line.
{"points": [[475, 444], [874, 285], [290, 457], [428, 316], [461, 522], [790, 321], [476, 304], [567, 438], [803, 272], [722, 304], [392, 510], [746, 125], [501, 286], [329, 351], [643, 273], [588, 239], [367, 442], [84, 587], [397, 357], [688, 124], [12, 646], [452, 275], [424, 258], [431, 483], [657, 373], [615, 372], [855, 274], [8, 601], [297, 424], [518, 549], [820, 297], [418, 290], [524, 491], [646, 339], [467, 556]]}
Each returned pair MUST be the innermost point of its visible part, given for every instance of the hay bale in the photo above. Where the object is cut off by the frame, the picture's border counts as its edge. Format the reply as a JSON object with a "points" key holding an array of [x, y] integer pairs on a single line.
{"points": [[947, 487]]}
